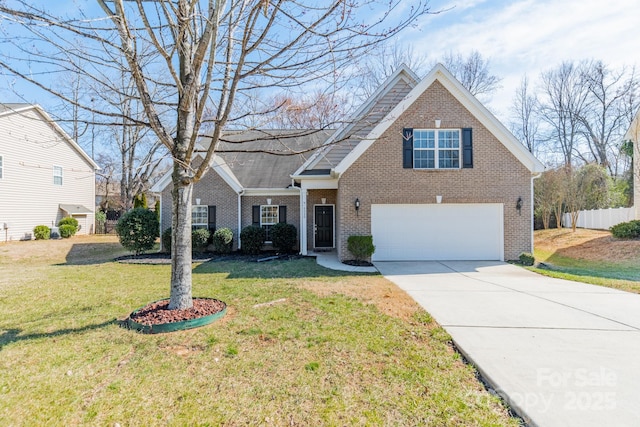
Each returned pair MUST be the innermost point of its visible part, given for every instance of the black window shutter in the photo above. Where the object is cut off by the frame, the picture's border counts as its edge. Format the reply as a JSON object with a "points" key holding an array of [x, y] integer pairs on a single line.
{"points": [[212, 218], [407, 148], [467, 148], [282, 214], [256, 215]]}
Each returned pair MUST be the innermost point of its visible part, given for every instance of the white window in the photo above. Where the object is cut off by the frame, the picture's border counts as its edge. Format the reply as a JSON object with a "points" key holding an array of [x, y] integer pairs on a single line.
{"points": [[57, 175], [199, 217], [436, 148], [269, 216], [1, 167]]}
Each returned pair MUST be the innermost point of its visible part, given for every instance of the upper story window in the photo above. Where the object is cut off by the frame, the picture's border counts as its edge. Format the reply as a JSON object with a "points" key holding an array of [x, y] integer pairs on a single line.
{"points": [[199, 216], [57, 175], [436, 148], [1, 167]]}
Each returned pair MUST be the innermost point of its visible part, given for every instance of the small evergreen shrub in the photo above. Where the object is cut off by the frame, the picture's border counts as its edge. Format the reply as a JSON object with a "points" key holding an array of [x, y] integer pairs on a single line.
{"points": [[140, 201], [101, 220], [42, 232], [138, 230], [626, 230], [361, 247], [252, 238], [199, 239], [67, 230], [284, 237], [166, 240], [527, 259], [69, 221], [223, 240]]}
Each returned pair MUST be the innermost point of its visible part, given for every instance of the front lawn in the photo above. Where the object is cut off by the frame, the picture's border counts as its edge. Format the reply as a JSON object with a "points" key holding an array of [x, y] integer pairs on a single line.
{"points": [[331, 349], [590, 256]]}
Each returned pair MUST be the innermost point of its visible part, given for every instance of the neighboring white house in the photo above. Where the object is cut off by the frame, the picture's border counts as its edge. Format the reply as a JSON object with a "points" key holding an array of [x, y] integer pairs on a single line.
{"points": [[44, 174], [633, 134]]}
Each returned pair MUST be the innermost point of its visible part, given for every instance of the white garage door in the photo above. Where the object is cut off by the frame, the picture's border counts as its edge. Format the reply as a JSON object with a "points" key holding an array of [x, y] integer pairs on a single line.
{"points": [[437, 232]]}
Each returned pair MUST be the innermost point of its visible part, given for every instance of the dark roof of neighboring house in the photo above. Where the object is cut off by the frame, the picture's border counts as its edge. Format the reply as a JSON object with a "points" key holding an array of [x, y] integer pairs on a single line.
{"points": [[263, 158]]}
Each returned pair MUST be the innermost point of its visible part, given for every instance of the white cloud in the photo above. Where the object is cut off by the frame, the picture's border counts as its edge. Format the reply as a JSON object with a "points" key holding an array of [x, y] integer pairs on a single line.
{"points": [[527, 36]]}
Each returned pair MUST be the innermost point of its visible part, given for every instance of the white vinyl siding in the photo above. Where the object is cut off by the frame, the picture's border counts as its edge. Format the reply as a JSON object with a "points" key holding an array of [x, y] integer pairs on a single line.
{"points": [[1, 167], [28, 197], [57, 175]]}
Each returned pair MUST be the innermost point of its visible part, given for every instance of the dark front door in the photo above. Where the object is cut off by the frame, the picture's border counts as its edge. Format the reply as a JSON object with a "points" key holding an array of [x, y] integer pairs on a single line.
{"points": [[324, 226]]}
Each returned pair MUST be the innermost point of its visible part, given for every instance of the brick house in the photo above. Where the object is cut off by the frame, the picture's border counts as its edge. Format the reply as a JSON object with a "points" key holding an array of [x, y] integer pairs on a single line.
{"points": [[422, 166]]}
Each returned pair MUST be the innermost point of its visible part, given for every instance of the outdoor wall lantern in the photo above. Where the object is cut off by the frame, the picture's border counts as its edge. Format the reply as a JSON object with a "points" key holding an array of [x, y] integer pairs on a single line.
{"points": [[197, 201], [438, 121], [357, 205], [269, 202], [519, 205]]}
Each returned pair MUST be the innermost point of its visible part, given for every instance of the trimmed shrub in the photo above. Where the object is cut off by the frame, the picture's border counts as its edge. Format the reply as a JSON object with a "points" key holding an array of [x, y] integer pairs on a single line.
{"points": [[626, 230], [67, 230], [223, 240], [166, 240], [527, 259], [361, 247], [42, 232], [138, 230], [199, 239], [69, 221], [101, 220], [252, 238], [284, 237]]}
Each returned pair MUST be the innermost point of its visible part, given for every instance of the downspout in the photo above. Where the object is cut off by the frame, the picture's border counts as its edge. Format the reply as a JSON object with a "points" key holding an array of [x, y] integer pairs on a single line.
{"points": [[535, 176], [240, 217]]}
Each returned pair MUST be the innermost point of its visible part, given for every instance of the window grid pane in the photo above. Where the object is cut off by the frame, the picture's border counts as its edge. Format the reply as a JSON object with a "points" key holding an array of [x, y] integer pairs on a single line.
{"points": [[436, 149], [269, 215], [57, 175], [199, 216]]}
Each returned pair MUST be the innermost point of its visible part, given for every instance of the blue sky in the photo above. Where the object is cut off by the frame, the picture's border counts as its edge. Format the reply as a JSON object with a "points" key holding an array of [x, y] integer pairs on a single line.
{"points": [[529, 36], [517, 36]]}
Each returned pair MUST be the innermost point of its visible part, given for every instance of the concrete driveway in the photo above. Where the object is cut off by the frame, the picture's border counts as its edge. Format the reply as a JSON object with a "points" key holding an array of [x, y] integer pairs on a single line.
{"points": [[560, 353]]}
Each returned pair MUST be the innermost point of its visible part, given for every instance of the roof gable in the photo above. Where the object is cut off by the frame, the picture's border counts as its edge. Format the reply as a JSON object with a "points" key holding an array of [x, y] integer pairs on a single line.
{"points": [[450, 83], [9, 109], [363, 121]]}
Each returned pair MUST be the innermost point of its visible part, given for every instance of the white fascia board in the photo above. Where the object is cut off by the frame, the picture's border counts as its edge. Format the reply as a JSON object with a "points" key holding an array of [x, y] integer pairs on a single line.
{"points": [[23, 107], [440, 73], [319, 184], [402, 73], [633, 133], [162, 183], [292, 191]]}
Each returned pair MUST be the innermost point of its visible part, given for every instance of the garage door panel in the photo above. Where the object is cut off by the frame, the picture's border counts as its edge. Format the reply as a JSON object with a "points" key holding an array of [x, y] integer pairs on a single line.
{"points": [[437, 232]]}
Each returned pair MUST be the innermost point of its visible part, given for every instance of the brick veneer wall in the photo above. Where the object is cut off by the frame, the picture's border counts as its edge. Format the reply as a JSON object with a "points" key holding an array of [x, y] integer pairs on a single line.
{"points": [[212, 190], [378, 177], [291, 202]]}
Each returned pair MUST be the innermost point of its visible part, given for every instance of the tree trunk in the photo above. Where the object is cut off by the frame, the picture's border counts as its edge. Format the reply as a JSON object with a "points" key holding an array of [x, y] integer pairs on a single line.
{"points": [[181, 297]]}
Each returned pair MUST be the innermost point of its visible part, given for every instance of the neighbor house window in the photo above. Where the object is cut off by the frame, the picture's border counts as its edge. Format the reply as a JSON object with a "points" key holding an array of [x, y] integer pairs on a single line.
{"points": [[436, 148], [269, 216], [199, 217], [1, 167], [57, 175]]}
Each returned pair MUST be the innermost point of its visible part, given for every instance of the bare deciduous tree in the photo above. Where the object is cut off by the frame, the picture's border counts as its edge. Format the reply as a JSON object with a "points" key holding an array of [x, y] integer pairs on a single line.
{"points": [[473, 72], [525, 121], [207, 55]]}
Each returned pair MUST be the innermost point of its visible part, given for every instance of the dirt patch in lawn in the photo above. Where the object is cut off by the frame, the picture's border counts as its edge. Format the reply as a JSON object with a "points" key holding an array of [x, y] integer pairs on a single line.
{"points": [[375, 290], [592, 245]]}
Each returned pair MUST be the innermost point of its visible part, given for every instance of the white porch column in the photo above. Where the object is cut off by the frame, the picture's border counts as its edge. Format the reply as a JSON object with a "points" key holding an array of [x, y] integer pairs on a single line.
{"points": [[303, 220], [239, 219]]}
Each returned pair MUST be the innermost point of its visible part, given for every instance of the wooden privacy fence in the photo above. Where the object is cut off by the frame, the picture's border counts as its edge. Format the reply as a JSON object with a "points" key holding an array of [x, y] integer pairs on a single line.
{"points": [[600, 219]]}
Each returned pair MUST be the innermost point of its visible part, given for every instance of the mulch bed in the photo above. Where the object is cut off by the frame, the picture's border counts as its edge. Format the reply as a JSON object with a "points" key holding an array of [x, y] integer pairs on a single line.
{"points": [[158, 313], [356, 263], [164, 258]]}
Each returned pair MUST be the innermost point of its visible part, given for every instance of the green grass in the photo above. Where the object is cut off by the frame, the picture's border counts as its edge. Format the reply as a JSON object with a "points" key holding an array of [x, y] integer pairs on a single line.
{"points": [[308, 360], [622, 275]]}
